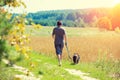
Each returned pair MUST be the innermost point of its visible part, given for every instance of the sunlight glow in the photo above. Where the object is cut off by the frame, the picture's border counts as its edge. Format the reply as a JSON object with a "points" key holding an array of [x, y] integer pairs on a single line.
{"points": [[116, 2], [40, 5]]}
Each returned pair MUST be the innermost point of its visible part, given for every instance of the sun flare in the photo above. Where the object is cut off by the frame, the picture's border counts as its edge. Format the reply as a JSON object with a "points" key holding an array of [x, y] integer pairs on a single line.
{"points": [[116, 2]]}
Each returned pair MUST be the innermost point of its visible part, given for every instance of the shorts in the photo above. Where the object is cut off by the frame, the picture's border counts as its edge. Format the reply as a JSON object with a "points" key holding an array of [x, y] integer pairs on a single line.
{"points": [[59, 48]]}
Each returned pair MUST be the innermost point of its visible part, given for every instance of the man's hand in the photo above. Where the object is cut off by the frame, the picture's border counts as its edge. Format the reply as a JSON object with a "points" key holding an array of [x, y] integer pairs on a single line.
{"points": [[66, 43]]}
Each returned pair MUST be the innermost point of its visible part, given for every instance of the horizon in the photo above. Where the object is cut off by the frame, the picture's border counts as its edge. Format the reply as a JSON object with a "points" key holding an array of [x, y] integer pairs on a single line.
{"points": [[44, 5]]}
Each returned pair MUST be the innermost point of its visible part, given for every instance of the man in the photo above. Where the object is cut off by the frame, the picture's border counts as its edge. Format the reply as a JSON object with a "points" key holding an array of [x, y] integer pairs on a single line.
{"points": [[59, 37]]}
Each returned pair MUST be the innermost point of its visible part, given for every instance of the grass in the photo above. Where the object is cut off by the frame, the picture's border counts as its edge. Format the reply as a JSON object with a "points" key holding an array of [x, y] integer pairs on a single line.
{"points": [[45, 31], [71, 32], [44, 66], [7, 73], [99, 53], [47, 67], [90, 43], [85, 41]]}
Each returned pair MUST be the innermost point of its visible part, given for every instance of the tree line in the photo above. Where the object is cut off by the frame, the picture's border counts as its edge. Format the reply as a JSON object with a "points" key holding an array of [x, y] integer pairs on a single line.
{"points": [[94, 17], [70, 18]]}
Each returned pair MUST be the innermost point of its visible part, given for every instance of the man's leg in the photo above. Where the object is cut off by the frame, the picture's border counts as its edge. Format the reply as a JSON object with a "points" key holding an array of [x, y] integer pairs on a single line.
{"points": [[60, 59], [60, 55], [59, 48]]}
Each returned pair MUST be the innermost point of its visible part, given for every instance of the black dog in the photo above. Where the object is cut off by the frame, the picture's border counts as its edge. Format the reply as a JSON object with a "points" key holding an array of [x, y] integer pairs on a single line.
{"points": [[76, 58]]}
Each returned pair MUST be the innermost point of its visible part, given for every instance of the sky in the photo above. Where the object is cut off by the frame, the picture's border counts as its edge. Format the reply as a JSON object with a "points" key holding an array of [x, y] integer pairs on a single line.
{"points": [[40, 5]]}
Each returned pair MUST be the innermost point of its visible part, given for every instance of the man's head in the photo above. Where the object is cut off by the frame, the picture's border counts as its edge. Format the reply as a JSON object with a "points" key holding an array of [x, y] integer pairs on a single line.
{"points": [[59, 23]]}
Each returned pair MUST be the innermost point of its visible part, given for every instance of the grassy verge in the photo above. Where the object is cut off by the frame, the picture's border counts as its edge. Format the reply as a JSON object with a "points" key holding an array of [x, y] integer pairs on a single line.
{"points": [[47, 67], [7, 73]]}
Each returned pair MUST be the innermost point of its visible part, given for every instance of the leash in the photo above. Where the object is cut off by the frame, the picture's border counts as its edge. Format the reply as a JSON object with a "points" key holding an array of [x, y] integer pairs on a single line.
{"points": [[68, 51]]}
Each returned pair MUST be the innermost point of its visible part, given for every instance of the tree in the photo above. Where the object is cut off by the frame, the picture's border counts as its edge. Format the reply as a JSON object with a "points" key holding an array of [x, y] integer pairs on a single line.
{"points": [[61, 17], [71, 16], [104, 23], [94, 22], [13, 30], [5, 25], [115, 14]]}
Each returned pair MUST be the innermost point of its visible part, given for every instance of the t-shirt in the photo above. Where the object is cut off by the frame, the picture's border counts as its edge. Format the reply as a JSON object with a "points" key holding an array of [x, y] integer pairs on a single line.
{"points": [[59, 35]]}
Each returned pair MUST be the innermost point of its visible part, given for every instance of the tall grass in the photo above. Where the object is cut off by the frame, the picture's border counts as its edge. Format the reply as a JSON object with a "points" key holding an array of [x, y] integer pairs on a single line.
{"points": [[100, 48], [110, 66], [85, 41], [99, 52]]}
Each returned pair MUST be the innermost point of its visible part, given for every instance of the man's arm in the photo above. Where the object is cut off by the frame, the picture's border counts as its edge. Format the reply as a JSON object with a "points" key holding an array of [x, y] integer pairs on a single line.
{"points": [[65, 39], [53, 34]]}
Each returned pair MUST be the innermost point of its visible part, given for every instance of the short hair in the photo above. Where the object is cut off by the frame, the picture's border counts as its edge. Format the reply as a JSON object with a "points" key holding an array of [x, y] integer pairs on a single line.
{"points": [[59, 23]]}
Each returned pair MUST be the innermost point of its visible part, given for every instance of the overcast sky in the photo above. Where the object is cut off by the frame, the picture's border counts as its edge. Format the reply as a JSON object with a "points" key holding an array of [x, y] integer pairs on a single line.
{"points": [[38, 5]]}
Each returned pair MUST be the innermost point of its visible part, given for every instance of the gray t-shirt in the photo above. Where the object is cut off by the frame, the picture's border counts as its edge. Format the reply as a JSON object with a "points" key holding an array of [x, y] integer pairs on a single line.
{"points": [[59, 35]]}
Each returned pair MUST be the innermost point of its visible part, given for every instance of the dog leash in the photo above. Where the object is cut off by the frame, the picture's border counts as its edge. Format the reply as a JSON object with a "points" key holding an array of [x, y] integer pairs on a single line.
{"points": [[68, 51]]}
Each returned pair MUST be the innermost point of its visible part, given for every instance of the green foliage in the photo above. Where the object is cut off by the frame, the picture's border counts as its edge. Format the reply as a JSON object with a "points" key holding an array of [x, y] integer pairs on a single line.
{"points": [[12, 29], [104, 23], [68, 23], [110, 67], [13, 3], [6, 73], [3, 49], [46, 67], [71, 18], [5, 26]]}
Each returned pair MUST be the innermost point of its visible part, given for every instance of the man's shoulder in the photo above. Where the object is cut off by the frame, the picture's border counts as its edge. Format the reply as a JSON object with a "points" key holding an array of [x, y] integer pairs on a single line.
{"points": [[59, 28], [55, 28], [62, 28]]}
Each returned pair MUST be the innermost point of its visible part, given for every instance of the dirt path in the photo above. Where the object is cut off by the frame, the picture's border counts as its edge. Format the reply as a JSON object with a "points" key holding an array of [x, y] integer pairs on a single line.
{"points": [[27, 75], [82, 75]]}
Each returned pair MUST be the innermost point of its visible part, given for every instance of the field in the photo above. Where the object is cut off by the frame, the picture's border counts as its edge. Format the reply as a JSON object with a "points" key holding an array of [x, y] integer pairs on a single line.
{"points": [[95, 48], [91, 43]]}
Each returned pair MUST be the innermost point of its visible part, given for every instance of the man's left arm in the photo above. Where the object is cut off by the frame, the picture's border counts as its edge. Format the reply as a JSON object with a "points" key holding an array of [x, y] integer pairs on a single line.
{"points": [[65, 38], [53, 34]]}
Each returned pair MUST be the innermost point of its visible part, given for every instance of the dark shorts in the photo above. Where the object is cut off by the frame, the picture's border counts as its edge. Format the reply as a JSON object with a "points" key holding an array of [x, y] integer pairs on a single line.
{"points": [[59, 48]]}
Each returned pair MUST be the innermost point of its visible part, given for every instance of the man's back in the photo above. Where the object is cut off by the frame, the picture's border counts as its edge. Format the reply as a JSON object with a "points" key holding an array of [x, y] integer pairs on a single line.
{"points": [[59, 35]]}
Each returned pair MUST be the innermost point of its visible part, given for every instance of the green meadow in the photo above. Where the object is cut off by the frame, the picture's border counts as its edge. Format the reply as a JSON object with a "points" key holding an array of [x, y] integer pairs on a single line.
{"points": [[99, 51]]}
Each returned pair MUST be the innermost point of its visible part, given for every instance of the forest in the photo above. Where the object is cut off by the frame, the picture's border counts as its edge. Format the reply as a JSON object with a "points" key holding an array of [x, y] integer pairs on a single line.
{"points": [[92, 17], [27, 51], [70, 18]]}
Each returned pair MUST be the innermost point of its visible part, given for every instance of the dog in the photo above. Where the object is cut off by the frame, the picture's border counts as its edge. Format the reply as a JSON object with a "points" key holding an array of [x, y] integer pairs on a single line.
{"points": [[76, 58]]}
